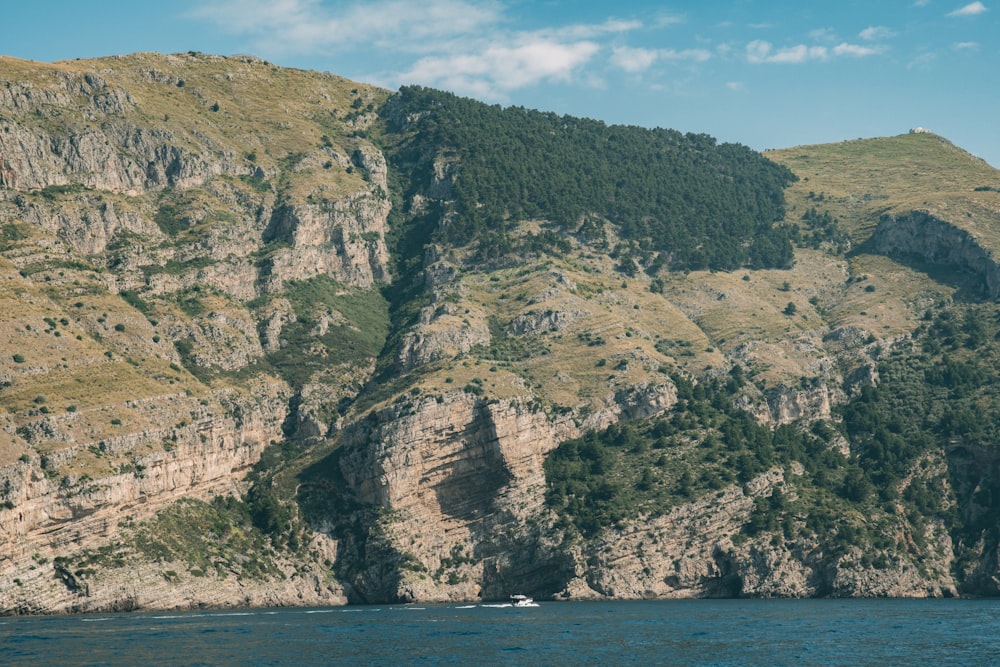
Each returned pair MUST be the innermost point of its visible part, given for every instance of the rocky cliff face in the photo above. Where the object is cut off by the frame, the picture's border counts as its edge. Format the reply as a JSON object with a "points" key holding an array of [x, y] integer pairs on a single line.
{"points": [[461, 482], [209, 397], [55, 511], [924, 235], [135, 176]]}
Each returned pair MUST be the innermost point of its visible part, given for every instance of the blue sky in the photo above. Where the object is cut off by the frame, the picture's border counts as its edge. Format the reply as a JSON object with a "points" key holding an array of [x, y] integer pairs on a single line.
{"points": [[765, 74]]}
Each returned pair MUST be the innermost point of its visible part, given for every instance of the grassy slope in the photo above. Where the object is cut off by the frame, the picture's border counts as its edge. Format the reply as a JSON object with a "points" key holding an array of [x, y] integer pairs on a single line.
{"points": [[864, 178]]}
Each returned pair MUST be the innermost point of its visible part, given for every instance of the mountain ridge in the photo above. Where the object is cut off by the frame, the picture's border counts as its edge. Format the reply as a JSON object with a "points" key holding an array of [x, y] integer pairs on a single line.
{"points": [[235, 283]]}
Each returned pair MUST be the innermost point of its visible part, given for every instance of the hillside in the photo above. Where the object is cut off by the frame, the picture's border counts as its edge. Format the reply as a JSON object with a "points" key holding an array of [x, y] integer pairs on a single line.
{"points": [[275, 337]]}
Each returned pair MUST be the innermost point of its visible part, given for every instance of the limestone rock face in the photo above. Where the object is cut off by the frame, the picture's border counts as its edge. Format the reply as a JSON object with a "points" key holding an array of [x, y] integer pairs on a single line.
{"points": [[923, 234], [354, 227], [155, 212], [691, 553], [462, 484], [89, 141], [49, 517], [456, 477], [790, 405], [120, 157]]}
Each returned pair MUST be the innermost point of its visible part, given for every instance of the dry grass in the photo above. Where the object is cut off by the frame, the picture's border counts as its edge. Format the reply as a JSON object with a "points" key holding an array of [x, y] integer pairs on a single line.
{"points": [[862, 179]]}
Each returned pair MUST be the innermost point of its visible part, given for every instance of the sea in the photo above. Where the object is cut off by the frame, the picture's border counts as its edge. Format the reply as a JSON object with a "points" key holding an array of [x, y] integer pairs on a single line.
{"points": [[929, 633]]}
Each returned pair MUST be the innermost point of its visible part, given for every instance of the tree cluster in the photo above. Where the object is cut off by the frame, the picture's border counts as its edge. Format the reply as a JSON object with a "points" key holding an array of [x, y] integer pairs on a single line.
{"points": [[699, 203]]}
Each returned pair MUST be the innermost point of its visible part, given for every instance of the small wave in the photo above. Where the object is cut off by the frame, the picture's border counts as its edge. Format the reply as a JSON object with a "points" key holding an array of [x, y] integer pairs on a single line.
{"points": [[468, 606], [235, 613], [497, 606], [96, 620]]}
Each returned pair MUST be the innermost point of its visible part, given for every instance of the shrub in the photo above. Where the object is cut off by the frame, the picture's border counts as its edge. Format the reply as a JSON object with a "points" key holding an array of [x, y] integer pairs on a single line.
{"points": [[18, 358]]}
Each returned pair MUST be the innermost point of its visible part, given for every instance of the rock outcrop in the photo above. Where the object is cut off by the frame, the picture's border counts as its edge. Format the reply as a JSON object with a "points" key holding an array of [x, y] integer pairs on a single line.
{"points": [[54, 512], [924, 235], [445, 472]]}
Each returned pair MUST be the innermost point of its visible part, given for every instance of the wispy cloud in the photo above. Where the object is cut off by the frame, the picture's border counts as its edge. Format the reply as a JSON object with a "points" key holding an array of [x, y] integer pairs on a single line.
{"points": [[875, 33], [635, 60], [856, 50], [966, 46], [921, 61], [591, 31], [467, 46], [972, 9], [309, 26], [823, 35], [498, 69], [761, 51], [666, 20]]}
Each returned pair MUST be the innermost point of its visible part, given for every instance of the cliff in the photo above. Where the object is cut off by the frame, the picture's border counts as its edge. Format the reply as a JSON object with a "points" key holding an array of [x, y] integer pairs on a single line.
{"points": [[247, 357], [923, 235], [152, 239]]}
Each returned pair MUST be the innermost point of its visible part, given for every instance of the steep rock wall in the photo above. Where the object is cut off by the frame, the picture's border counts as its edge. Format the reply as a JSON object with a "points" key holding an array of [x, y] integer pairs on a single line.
{"points": [[52, 512], [461, 483], [935, 240]]}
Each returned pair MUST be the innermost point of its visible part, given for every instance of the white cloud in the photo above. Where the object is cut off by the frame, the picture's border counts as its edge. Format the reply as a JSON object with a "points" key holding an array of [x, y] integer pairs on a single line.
{"points": [[763, 52], [875, 33], [309, 26], [637, 60], [666, 20], [856, 50], [966, 46], [692, 55], [633, 60], [972, 9], [736, 86], [499, 69], [467, 46], [823, 34], [921, 61], [590, 31], [760, 51]]}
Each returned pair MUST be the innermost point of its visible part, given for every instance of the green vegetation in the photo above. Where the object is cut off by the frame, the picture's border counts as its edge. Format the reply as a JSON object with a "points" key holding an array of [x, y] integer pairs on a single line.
{"points": [[702, 446], [708, 205], [218, 537], [334, 325], [941, 404]]}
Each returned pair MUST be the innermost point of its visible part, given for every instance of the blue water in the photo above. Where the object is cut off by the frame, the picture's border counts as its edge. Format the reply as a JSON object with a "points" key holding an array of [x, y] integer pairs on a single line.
{"points": [[698, 632]]}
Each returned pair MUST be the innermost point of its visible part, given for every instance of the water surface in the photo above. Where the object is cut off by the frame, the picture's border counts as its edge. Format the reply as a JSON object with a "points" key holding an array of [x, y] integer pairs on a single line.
{"points": [[935, 633]]}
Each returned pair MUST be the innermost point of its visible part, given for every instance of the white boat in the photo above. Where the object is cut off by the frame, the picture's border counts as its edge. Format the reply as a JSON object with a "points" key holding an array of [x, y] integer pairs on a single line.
{"points": [[522, 601]]}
